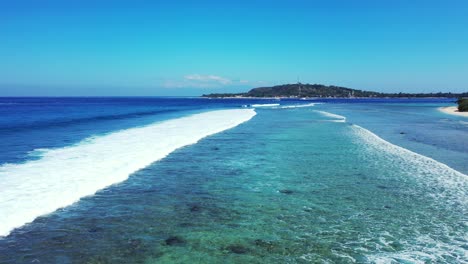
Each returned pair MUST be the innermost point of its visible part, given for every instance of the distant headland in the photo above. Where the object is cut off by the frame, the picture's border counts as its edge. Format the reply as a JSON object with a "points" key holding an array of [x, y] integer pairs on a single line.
{"points": [[300, 90]]}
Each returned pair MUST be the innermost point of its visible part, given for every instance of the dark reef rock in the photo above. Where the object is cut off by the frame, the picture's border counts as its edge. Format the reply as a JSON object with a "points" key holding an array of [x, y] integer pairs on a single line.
{"points": [[237, 249], [95, 229], [175, 241], [195, 208]]}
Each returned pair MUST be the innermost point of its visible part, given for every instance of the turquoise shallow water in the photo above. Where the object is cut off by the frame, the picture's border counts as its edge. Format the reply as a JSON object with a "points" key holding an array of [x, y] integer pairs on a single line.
{"points": [[289, 186], [420, 127]]}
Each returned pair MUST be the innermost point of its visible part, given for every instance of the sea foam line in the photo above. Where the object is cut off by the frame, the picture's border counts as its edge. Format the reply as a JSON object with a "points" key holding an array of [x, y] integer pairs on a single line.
{"points": [[62, 176], [263, 105], [426, 164], [425, 250], [429, 172], [279, 106], [451, 190], [336, 118], [297, 105]]}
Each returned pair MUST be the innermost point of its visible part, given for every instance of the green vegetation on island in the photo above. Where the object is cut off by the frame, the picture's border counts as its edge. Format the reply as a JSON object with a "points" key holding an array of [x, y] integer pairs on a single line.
{"points": [[463, 105], [300, 90]]}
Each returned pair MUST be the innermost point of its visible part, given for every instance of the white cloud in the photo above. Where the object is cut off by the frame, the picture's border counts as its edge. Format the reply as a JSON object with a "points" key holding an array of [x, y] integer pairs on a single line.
{"points": [[208, 78], [204, 82]]}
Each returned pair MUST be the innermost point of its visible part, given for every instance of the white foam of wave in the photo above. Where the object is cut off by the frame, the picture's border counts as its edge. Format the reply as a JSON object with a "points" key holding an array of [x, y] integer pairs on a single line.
{"points": [[451, 190], [62, 176], [336, 118], [297, 106], [37, 152], [432, 251], [263, 105], [421, 164]]}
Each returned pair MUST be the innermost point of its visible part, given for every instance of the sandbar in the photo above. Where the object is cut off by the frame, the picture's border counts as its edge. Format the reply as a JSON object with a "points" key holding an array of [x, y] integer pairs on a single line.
{"points": [[453, 110]]}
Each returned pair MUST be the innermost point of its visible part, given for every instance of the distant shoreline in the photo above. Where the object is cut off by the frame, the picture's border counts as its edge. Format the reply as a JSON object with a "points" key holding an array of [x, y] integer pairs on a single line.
{"points": [[319, 98], [300, 91], [452, 110]]}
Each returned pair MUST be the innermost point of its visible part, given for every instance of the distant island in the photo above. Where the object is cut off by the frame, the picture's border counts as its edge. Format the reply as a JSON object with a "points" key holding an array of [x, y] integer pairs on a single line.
{"points": [[300, 90]]}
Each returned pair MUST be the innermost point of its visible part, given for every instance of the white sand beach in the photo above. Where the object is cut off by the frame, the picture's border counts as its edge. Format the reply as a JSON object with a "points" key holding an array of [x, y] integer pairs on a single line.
{"points": [[452, 110]]}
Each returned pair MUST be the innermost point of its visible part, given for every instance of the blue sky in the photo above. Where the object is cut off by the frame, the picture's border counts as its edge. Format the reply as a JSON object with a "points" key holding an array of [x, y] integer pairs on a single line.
{"points": [[194, 47]]}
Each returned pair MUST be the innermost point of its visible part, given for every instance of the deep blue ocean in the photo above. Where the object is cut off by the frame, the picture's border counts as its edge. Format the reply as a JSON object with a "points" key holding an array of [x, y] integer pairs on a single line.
{"points": [[194, 180]]}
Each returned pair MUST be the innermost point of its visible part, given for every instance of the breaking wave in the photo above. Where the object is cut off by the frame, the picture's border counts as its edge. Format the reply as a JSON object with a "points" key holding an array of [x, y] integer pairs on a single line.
{"points": [[60, 177], [335, 117]]}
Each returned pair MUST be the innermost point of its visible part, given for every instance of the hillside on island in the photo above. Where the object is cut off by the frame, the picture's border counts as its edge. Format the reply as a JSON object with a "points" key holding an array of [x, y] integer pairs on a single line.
{"points": [[300, 90]]}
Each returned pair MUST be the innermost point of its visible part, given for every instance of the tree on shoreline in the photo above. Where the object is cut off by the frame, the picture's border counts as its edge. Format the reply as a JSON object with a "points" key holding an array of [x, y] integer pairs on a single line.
{"points": [[462, 104]]}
